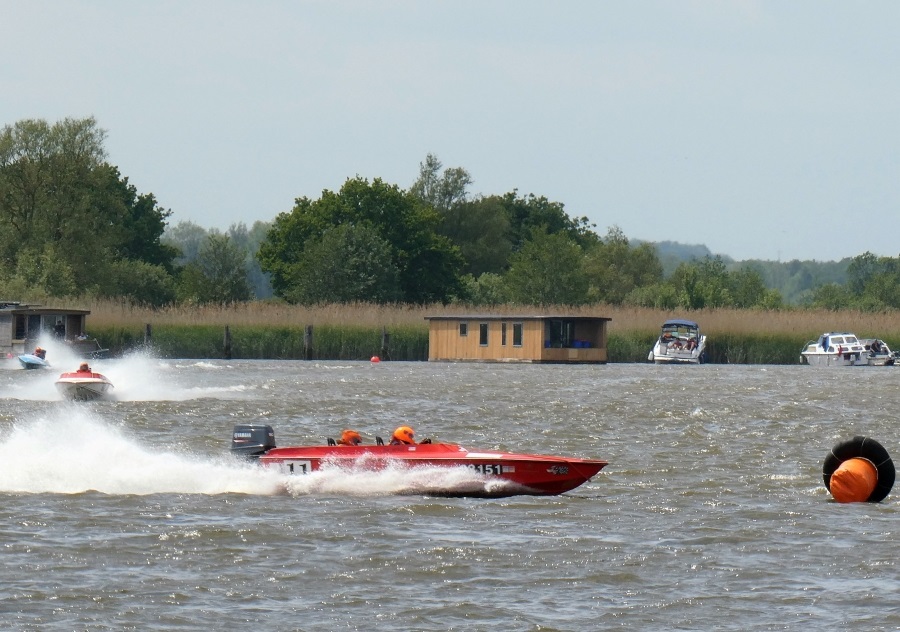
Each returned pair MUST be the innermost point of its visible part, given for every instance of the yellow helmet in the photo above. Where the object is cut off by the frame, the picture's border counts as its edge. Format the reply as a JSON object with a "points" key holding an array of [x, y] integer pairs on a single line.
{"points": [[404, 434]]}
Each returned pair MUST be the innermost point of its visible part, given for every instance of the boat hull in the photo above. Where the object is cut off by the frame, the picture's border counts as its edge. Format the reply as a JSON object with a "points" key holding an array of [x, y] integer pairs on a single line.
{"points": [[84, 387], [518, 474], [29, 361]]}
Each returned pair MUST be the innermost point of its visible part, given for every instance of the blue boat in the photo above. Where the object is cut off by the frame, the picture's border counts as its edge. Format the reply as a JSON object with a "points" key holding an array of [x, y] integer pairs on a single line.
{"points": [[31, 361]]}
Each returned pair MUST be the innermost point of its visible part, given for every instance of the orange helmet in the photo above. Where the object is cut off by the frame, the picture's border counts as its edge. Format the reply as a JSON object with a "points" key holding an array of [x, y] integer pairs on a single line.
{"points": [[84, 367], [350, 437], [404, 434]]}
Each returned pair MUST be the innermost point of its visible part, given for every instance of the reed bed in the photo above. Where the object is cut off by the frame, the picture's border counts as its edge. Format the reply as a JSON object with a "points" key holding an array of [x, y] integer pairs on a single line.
{"points": [[353, 331]]}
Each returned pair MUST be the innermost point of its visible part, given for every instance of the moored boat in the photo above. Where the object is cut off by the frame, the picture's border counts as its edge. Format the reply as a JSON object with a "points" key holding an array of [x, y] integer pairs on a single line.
{"points": [[835, 349], [517, 474], [83, 385], [880, 353], [680, 342]]}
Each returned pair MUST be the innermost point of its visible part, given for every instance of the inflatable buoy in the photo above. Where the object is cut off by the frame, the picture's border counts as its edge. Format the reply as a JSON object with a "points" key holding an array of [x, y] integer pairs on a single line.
{"points": [[858, 470], [376, 359]]}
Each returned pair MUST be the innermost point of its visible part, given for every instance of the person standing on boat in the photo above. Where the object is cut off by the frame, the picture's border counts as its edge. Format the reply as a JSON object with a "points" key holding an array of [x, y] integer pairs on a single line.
{"points": [[349, 437]]}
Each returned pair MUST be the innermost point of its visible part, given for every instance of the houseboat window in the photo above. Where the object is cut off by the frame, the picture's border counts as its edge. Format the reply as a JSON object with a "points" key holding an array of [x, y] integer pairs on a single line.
{"points": [[503, 334], [483, 334], [464, 329], [517, 334], [560, 333]]}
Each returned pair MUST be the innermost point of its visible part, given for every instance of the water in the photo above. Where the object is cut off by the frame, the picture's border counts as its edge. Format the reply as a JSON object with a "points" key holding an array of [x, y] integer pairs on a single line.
{"points": [[712, 515]]}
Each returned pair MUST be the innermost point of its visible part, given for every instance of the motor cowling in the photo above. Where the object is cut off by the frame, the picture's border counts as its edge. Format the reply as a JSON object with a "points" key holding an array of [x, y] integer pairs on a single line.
{"points": [[252, 440]]}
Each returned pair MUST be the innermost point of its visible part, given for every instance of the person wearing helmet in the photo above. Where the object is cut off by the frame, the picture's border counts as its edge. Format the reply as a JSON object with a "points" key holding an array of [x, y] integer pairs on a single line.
{"points": [[41, 353], [84, 368], [404, 435], [349, 437]]}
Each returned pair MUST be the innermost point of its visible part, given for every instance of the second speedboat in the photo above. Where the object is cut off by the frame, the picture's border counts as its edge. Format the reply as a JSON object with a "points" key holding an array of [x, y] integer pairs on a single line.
{"points": [[502, 473], [84, 384]]}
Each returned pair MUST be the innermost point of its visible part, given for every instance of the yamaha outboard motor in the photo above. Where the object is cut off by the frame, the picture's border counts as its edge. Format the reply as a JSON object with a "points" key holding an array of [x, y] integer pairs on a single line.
{"points": [[252, 440]]}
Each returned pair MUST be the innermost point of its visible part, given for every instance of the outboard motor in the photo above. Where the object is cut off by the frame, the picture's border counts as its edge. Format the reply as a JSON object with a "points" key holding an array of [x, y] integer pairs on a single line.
{"points": [[252, 440]]}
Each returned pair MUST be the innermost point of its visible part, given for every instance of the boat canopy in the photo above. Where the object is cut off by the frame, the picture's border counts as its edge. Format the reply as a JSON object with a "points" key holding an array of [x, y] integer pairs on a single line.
{"points": [[681, 323]]}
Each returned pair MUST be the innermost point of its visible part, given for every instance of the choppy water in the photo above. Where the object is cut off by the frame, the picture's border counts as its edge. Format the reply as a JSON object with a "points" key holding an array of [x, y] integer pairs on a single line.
{"points": [[129, 515]]}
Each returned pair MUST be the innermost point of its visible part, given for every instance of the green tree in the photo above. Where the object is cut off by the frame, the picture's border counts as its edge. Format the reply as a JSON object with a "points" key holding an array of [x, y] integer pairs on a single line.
{"points": [[348, 263], [217, 275], [615, 268], [444, 190], [481, 230], [59, 196], [428, 264], [547, 270]]}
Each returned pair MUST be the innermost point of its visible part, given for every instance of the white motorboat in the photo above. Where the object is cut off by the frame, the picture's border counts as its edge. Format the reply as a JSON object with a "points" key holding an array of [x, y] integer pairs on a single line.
{"points": [[84, 385], [835, 349], [679, 342], [880, 353]]}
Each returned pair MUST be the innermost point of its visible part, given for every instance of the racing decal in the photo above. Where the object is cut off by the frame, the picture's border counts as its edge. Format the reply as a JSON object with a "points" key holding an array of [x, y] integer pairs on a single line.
{"points": [[295, 467], [558, 469], [492, 469]]}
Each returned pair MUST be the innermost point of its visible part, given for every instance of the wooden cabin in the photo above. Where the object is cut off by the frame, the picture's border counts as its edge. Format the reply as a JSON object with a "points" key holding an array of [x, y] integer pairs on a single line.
{"points": [[492, 338], [22, 325]]}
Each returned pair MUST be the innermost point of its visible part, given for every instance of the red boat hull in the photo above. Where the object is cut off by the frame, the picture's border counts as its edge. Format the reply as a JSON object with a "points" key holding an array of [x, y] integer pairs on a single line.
{"points": [[529, 474]]}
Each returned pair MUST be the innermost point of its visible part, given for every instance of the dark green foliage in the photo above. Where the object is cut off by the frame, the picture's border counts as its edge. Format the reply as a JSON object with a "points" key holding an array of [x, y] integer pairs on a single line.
{"points": [[428, 264]]}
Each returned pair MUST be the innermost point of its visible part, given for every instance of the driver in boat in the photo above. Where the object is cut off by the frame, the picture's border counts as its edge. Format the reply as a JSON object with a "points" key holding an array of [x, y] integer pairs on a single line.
{"points": [[404, 435], [84, 368], [349, 437], [41, 353]]}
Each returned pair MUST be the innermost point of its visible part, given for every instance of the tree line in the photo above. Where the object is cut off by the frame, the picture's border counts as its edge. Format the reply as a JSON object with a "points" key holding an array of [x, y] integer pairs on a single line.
{"points": [[72, 225]]}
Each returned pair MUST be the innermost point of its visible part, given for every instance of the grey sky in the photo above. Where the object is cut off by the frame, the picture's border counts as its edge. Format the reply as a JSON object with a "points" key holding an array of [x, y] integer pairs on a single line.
{"points": [[761, 129]]}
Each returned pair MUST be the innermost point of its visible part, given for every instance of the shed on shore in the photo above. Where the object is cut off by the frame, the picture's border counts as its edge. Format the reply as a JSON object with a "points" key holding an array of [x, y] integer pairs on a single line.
{"points": [[22, 325], [517, 338]]}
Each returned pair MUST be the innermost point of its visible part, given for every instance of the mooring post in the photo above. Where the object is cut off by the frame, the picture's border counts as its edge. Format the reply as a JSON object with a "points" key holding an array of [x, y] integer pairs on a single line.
{"points": [[148, 335], [227, 343], [385, 342], [308, 342]]}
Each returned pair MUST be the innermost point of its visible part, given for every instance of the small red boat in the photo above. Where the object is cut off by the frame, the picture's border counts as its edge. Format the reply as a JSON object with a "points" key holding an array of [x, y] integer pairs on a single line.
{"points": [[83, 385], [527, 474]]}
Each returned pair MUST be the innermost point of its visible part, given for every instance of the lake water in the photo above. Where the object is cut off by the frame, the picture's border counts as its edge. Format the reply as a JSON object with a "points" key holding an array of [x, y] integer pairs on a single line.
{"points": [[711, 515]]}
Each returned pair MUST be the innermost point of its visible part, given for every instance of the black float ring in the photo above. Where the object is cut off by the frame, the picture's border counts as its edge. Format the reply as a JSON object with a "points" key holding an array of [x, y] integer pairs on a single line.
{"points": [[872, 451]]}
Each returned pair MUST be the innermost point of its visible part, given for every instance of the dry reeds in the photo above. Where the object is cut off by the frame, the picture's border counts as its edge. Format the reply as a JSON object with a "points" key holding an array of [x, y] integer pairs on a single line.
{"points": [[801, 323]]}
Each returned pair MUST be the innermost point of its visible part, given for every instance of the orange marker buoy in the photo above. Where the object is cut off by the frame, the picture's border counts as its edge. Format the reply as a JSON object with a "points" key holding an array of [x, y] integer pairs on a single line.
{"points": [[376, 359], [854, 481], [858, 470]]}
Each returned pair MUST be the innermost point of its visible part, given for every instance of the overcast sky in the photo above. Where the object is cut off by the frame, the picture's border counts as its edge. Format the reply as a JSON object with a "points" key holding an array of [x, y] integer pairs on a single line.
{"points": [[763, 130]]}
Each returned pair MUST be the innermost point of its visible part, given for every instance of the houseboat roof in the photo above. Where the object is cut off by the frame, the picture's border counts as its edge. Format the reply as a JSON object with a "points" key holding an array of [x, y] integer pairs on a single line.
{"points": [[19, 308], [515, 317]]}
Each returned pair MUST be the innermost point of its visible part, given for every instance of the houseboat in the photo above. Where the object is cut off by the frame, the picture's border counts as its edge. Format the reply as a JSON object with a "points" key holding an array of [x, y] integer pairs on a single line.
{"points": [[518, 338], [22, 326]]}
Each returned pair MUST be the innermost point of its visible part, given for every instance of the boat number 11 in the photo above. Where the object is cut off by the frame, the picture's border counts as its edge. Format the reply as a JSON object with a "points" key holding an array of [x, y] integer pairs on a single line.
{"points": [[296, 467]]}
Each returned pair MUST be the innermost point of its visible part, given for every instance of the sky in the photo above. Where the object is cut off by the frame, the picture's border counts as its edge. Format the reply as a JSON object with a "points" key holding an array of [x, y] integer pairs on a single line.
{"points": [[763, 130]]}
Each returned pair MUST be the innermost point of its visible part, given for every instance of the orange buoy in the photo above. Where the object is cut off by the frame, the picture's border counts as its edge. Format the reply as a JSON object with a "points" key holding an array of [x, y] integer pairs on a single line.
{"points": [[854, 481], [376, 359], [858, 470]]}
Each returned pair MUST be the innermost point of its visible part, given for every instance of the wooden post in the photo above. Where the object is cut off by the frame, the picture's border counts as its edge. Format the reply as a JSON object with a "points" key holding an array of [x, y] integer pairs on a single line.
{"points": [[385, 342], [148, 335], [308, 343], [227, 343]]}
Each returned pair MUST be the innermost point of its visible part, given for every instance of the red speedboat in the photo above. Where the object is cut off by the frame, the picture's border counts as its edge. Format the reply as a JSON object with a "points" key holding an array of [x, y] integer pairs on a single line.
{"points": [[502, 473], [83, 385]]}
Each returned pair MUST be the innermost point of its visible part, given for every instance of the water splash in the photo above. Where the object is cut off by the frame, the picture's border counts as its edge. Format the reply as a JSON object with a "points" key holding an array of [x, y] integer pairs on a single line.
{"points": [[71, 451]]}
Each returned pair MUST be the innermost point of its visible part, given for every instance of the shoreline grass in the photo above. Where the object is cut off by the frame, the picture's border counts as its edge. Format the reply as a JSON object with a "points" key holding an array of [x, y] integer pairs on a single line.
{"points": [[353, 331]]}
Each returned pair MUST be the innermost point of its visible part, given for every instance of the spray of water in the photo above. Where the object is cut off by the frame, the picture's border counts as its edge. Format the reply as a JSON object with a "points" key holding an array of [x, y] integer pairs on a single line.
{"points": [[71, 451]]}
